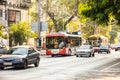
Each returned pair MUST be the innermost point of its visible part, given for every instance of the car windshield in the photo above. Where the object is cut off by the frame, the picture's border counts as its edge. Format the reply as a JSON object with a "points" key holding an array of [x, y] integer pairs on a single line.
{"points": [[84, 47], [55, 42], [20, 51], [103, 47], [17, 51]]}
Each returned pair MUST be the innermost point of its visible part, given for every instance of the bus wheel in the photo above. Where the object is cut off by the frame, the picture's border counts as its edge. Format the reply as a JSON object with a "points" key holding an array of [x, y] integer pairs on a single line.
{"points": [[53, 55], [69, 52]]}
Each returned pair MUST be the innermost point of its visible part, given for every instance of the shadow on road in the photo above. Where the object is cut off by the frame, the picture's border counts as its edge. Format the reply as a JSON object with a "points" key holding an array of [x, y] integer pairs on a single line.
{"points": [[96, 75], [58, 56], [14, 68]]}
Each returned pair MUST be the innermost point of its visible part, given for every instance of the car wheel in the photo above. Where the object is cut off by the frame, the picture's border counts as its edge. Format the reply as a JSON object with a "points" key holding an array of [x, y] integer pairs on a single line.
{"points": [[90, 55], [93, 55], [107, 52], [115, 49], [69, 52], [2, 68], [77, 55], [25, 65], [37, 62]]}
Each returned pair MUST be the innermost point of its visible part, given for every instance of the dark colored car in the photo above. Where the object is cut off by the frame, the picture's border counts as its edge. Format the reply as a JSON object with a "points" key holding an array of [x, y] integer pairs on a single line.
{"points": [[104, 48], [20, 56], [85, 50], [95, 49], [117, 47]]}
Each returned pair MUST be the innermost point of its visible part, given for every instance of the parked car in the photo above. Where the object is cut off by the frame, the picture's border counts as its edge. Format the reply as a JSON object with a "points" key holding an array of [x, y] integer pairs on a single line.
{"points": [[117, 47], [96, 49], [104, 48], [112, 46], [20, 56], [85, 50]]}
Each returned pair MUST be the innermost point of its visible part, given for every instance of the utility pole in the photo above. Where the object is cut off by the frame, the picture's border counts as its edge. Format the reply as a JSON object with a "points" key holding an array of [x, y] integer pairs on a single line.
{"points": [[39, 24]]}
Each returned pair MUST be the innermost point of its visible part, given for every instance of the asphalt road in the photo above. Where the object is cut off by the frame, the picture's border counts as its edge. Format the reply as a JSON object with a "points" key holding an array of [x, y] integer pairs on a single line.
{"points": [[101, 67]]}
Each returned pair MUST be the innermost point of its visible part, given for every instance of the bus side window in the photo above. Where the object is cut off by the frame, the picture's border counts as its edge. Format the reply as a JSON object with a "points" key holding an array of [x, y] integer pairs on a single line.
{"points": [[69, 42]]}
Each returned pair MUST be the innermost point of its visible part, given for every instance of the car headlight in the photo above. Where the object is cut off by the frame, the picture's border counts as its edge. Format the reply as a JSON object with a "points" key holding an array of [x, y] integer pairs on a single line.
{"points": [[18, 60], [1, 60]]}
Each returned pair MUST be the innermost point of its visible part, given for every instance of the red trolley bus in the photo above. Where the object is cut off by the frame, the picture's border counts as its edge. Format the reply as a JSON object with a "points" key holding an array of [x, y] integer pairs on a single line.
{"points": [[62, 43]]}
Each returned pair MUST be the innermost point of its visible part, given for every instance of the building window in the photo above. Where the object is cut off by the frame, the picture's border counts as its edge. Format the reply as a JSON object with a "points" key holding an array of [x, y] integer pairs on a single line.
{"points": [[28, 1], [13, 16], [1, 13], [18, 16]]}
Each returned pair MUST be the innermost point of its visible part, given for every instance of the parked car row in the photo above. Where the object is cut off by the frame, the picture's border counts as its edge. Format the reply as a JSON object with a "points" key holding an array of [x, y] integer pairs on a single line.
{"points": [[117, 47], [88, 50], [104, 48]]}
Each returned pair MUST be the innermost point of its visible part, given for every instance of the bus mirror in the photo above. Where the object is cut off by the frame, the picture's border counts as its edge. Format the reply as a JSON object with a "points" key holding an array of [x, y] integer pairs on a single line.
{"points": [[67, 40]]}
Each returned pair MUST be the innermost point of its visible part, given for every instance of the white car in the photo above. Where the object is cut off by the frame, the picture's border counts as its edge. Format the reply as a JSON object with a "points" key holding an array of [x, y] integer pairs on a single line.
{"points": [[85, 50], [117, 47]]}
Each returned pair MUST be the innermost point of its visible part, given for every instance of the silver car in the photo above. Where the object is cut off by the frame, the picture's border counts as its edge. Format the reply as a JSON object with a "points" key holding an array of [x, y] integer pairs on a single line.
{"points": [[85, 50]]}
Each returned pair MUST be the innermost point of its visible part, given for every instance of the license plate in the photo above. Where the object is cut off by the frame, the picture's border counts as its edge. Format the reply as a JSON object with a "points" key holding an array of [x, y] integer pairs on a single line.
{"points": [[7, 63], [54, 52]]}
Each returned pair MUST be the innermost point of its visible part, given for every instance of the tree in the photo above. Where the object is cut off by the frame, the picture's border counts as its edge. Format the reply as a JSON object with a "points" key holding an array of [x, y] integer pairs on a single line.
{"points": [[114, 31], [2, 33], [34, 16], [101, 10], [33, 12], [73, 26], [19, 32], [61, 12]]}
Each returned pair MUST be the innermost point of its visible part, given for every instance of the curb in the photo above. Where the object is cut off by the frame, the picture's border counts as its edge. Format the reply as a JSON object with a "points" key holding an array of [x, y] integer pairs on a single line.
{"points": [[42, 53]]}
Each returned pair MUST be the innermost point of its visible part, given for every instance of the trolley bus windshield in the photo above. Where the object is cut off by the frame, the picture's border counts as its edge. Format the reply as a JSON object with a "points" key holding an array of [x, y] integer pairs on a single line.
{"points": [[55, 42]]}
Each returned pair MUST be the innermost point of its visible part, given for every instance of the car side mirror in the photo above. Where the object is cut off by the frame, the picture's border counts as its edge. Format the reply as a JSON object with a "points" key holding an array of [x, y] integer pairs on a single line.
{"points": [[29, 52]]}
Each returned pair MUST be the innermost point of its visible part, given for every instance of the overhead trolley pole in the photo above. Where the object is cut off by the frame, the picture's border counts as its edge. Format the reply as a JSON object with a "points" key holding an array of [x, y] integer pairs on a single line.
{"points": [[39, 24]]}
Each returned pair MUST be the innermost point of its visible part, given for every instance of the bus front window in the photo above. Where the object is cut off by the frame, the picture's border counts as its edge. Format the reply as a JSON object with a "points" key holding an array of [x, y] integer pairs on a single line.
{"points": [[54, 42]]}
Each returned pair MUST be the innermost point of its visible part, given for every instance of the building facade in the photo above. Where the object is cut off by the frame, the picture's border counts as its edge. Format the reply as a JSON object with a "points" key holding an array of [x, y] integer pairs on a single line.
{"points": [[12, 11]]}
